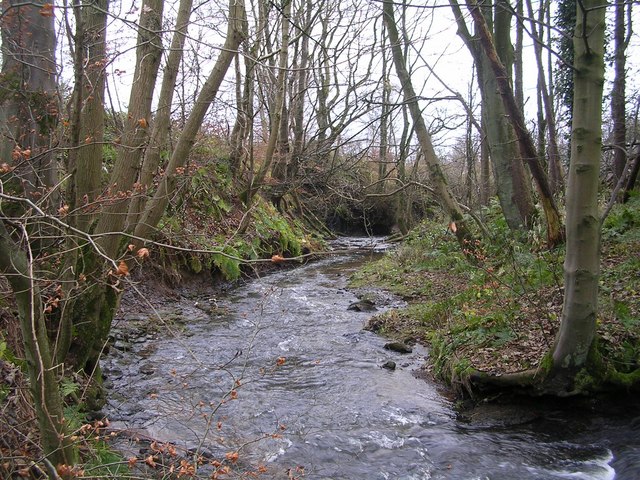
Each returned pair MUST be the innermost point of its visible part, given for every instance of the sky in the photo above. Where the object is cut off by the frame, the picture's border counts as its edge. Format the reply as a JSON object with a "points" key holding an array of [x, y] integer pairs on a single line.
{"points": [[442, 62]]}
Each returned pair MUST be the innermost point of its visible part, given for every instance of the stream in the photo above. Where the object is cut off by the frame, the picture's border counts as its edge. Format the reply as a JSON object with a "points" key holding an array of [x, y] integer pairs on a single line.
{"points": [[281, 371]]}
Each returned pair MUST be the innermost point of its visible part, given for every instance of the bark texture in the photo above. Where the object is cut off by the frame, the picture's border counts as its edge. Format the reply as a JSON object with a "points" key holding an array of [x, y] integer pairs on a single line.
{"points": [[581, 266]]}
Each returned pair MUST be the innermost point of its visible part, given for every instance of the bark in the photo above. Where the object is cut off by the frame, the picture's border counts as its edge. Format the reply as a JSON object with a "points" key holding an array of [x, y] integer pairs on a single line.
{"points": [[518, 66], [384, 120], [85, 156], [581, 266], [91, 312], [125, 171], [555, 231], [631, 181], [244, 120], [29, 98], [436, 175], [618, 97], [236, 33], [299, 100], [18, 270], [159, 139], [511, 183]]}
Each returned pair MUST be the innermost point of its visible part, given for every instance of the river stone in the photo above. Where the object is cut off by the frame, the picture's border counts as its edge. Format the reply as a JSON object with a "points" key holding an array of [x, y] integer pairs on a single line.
{"points": [[147, 369], [398, 347], [390, 365], [363, 306]]}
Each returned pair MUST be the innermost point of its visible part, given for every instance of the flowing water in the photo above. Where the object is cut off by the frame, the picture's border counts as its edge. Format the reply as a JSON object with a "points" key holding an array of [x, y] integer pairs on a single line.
{"points": [[310, 392]]}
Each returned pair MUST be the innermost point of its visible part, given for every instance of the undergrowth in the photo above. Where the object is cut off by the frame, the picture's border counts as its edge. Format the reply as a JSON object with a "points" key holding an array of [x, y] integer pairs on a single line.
{"points": [[500, 312]]}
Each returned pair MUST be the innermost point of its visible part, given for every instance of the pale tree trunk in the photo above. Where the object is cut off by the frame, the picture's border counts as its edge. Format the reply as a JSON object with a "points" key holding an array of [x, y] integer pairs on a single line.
{"points": [[436, 175], [236, 34], [555, 231], [298, 104], [29, 98], [17, 267], [485, 171], [511, 181], [581, 266], [243, 126], [159, 139], [384, 118]]}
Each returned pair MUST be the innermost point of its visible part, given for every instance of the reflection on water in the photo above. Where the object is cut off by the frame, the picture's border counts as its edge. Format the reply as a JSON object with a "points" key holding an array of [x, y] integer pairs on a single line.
{"points": [[309, 384]]}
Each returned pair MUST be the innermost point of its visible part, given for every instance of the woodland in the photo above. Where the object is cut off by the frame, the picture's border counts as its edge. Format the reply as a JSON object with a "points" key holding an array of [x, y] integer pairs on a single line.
{"points": [[255, 131]]}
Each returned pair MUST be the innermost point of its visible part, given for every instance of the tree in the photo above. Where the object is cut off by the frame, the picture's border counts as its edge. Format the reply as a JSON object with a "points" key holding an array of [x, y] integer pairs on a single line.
{"points": [[582, 261], [512, 183], [555, 231], [81, 275], [436, 175], [29, 117], [553, 152], [621, 37]]}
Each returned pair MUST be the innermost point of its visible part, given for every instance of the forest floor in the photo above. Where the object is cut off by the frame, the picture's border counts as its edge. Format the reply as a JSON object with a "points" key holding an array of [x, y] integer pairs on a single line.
{"points": [[499, 313]]}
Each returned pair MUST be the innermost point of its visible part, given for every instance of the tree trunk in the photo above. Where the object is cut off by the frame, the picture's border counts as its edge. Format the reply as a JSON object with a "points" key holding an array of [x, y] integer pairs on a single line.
{"points": [[277, 110], [448, 202], [511, 182], [159, 139], [85, 155], [236, 33], [555, 231], [127, 166], [581, 266], [555, 168], [29, 99], [18, 269], [618, 97]]}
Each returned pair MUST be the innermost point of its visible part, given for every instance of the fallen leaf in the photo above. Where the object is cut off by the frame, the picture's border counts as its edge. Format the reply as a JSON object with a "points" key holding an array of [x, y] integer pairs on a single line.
{"points": [[277, 258]]}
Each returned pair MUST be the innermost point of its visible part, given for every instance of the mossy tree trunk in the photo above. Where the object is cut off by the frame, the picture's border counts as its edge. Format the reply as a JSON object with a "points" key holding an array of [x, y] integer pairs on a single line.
{"points": [[17, 266], [555, 230], [581, 266], [511, 180], [92, 309]]}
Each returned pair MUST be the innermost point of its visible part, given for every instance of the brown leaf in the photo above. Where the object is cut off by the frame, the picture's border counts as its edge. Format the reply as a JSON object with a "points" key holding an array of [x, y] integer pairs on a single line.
{"points": [[123, 269], [46, 10]]}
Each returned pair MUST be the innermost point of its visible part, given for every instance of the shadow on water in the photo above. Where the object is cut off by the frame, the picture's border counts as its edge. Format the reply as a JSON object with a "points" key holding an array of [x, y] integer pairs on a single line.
{"points": [[302, 385]]}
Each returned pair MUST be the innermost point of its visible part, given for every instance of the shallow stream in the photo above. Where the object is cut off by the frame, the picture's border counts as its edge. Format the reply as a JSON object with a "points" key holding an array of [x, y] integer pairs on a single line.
{"points": [[310, 394]]}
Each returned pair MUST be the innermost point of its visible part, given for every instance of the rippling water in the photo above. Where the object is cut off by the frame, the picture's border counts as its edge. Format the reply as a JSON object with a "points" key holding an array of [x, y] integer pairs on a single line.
{"points": [[329, 406]]}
